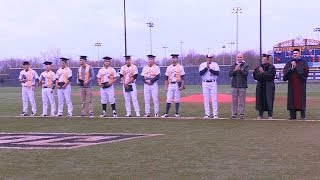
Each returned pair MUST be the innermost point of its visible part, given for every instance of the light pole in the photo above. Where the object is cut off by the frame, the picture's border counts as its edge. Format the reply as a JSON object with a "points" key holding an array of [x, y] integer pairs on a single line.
{"points": [[260, 53], [125, 27], [165, 54], [231, 53], [98, 45], [150, 25], [181, 42], [224, 53], [318, 31], [237, 10]]}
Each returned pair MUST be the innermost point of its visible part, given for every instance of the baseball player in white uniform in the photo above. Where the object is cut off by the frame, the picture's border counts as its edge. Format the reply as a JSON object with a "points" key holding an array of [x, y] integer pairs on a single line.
{"points": [[48, 79], [107, 76], [150, 75], [63, 80], [209, 72], [174, 83], [128, 75], [28, 78]]}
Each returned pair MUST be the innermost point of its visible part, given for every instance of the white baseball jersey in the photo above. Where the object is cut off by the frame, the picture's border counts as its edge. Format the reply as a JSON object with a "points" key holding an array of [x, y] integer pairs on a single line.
{"points": [[48, 78], [105, 73], [63, 74], [127, 72], [30, 76], [172, 72], [208, 76], [150, 72]]}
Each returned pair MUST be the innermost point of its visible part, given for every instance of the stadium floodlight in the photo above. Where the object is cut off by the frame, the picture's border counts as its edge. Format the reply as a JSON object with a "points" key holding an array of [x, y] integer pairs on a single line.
{"points": [[150, 25], [98, 45], [237, 10]]}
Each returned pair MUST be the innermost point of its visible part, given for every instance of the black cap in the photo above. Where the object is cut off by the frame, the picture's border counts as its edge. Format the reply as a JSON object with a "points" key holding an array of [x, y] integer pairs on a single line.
{"points": [[127, 57], [107, 58], [266, 55], [26, 63], [83, 57], [64, 59], [209, 56], [151, 56], [296, 49], [174, 55], [47, 63]]}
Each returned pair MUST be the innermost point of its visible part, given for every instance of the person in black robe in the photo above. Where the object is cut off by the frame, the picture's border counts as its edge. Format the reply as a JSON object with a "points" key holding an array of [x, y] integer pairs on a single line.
{"points": [[265, 89], [296, 72]]}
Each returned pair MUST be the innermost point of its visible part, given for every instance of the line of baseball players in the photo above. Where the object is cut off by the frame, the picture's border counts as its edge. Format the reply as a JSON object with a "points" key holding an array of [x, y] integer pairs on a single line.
{"points": [[106, 77], [295, 72]]}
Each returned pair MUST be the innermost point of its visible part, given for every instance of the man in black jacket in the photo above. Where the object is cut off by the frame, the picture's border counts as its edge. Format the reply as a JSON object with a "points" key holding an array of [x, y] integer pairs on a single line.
{"points": [[239, 75]]}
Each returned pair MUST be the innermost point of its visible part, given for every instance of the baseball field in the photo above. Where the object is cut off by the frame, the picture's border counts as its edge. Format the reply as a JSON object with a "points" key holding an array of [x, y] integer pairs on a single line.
{"points": [[153, 148]]}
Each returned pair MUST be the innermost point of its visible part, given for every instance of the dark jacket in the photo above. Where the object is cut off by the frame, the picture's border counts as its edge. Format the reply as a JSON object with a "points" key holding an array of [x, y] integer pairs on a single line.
{"points": [[297, 84], [265, 87], [239, 78]]}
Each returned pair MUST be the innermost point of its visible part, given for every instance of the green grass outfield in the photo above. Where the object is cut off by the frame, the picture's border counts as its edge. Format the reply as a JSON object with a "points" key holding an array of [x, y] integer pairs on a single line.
{"points": [[11, 102], [188, 149]]}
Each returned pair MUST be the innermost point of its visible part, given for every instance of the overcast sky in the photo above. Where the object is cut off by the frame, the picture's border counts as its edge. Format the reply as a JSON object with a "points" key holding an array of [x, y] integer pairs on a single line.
{"points": [[29, 27]]}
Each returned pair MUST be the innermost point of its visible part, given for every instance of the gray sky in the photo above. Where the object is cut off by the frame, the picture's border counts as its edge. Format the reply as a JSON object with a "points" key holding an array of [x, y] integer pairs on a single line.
{"points": [[29, 27]]}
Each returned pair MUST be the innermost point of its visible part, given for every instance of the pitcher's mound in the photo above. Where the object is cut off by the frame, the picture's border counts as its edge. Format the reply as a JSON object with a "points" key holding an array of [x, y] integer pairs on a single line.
{"points": [[224, 98]]}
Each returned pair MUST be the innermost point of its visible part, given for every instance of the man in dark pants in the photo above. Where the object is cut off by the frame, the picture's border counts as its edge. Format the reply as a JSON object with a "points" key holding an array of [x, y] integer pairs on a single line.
{"points": [[265, 74], [296, 72]]}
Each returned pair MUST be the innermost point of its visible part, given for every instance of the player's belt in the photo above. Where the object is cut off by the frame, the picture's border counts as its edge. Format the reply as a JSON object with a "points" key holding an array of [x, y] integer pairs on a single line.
{"points": [[173, 82], [209, 80], [27, 86]]}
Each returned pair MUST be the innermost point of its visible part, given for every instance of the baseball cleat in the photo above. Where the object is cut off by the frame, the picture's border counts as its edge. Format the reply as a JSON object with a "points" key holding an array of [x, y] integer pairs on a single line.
{"points": [[233, 117], [206, 117], [103, 114], [165, 115], [24, 114]]}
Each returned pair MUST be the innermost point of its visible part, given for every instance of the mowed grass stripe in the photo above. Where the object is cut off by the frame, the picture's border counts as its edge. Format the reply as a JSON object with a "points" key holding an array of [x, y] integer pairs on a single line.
{"points": [[187, 149]]}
